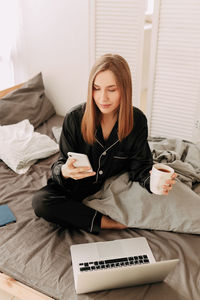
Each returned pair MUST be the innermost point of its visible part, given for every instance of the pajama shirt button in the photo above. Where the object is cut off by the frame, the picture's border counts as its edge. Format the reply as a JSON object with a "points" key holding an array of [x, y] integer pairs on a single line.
{"points": [[104, 153], [100, 172]]}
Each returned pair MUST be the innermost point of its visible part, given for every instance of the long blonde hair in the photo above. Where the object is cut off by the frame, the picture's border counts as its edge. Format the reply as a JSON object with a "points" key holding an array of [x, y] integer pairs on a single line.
{"points": [[91, 117]]}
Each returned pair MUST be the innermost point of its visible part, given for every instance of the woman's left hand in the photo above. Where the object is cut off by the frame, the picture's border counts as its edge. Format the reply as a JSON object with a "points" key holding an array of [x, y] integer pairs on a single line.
{"points": [[169, 184]]}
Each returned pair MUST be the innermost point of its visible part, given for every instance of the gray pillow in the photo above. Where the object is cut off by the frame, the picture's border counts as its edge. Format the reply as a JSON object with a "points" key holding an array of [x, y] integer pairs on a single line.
{"points": [[27, 102], [130, 204]]}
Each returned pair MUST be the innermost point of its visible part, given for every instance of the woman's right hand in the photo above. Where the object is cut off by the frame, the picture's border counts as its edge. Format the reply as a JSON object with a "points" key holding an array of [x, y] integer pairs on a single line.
{"points": [[68, 170]]}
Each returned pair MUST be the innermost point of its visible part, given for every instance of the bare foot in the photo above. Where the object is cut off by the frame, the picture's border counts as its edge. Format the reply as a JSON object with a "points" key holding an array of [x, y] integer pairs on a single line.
{"points": [[108, 223]]}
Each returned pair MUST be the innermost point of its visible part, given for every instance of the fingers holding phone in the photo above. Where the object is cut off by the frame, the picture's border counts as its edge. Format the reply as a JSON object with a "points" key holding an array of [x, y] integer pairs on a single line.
{"points": [[77, 167]]}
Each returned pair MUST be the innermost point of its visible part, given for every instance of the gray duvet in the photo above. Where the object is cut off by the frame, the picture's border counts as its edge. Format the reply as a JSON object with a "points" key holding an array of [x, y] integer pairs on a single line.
{"points": [[37, 253], [132, 205]]}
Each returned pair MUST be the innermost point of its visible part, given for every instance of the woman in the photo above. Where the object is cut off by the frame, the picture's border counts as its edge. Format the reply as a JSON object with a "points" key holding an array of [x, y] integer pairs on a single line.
{"points": [[113, 134]]}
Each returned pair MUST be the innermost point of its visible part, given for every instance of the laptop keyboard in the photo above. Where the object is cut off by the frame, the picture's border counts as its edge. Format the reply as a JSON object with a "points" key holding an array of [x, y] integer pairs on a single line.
{"points": [[114, 263]]}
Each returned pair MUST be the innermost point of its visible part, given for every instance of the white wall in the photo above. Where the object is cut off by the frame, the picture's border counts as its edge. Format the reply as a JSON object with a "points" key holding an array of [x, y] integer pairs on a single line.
{"points": [[54, 39]]}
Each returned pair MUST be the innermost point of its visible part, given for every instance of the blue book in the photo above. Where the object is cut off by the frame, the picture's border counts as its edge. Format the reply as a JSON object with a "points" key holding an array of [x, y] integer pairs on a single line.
{"points": [[6, 215]]}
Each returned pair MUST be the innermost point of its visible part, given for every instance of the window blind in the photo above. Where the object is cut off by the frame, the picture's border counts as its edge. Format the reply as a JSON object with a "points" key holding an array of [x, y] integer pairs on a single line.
{"points": [[174, 86], [118, 27]]}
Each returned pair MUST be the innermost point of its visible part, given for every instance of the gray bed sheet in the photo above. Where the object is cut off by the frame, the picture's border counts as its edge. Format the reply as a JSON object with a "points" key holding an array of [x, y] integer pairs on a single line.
{"points": [[37, 253]]}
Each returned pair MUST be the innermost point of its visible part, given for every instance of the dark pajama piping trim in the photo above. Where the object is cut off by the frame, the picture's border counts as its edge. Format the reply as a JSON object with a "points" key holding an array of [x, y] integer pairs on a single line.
{"points": [[105, 150], [99, 143], [146, 181], [92, 224]]}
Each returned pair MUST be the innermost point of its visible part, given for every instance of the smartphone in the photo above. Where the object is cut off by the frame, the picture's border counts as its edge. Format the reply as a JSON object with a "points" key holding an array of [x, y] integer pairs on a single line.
{"points": [[82, 160]]}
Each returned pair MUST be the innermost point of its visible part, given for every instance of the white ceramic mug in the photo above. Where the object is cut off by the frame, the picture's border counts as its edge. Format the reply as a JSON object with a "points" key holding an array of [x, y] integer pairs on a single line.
{"points": [[159, 175]]}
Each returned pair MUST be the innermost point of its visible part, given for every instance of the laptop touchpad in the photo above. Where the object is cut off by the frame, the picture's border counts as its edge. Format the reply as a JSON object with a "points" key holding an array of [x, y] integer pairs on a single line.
{"points": [[109, 250]]}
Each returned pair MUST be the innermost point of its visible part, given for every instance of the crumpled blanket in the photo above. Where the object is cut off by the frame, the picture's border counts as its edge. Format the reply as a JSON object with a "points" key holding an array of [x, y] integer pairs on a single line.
{"points": [[182, 156], [21, 147], [130, 204]]}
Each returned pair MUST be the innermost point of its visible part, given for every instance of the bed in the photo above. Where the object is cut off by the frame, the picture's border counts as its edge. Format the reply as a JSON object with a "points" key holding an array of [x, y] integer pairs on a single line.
{"points": [[36, 253]]}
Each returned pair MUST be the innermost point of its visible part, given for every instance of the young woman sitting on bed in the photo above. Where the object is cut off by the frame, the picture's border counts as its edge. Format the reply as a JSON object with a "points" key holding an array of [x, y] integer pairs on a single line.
{"points": [[113, 134]]}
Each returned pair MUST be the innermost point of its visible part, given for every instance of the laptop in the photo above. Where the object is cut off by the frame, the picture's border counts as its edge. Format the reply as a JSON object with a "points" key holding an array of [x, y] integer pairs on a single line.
{"points": [[115, 264]]}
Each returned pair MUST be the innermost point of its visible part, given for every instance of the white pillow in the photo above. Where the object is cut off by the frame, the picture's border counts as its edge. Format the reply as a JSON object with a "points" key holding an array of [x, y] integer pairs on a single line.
{"points": [[21, 147], [57, 132]]}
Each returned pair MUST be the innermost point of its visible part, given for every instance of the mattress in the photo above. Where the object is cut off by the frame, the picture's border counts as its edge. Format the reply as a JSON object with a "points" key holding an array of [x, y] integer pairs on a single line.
{"points": [[37, 253]]}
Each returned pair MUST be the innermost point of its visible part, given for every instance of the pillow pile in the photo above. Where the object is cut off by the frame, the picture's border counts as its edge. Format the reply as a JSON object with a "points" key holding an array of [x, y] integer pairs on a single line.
{"points": [[23, 108], [27, 102]]}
